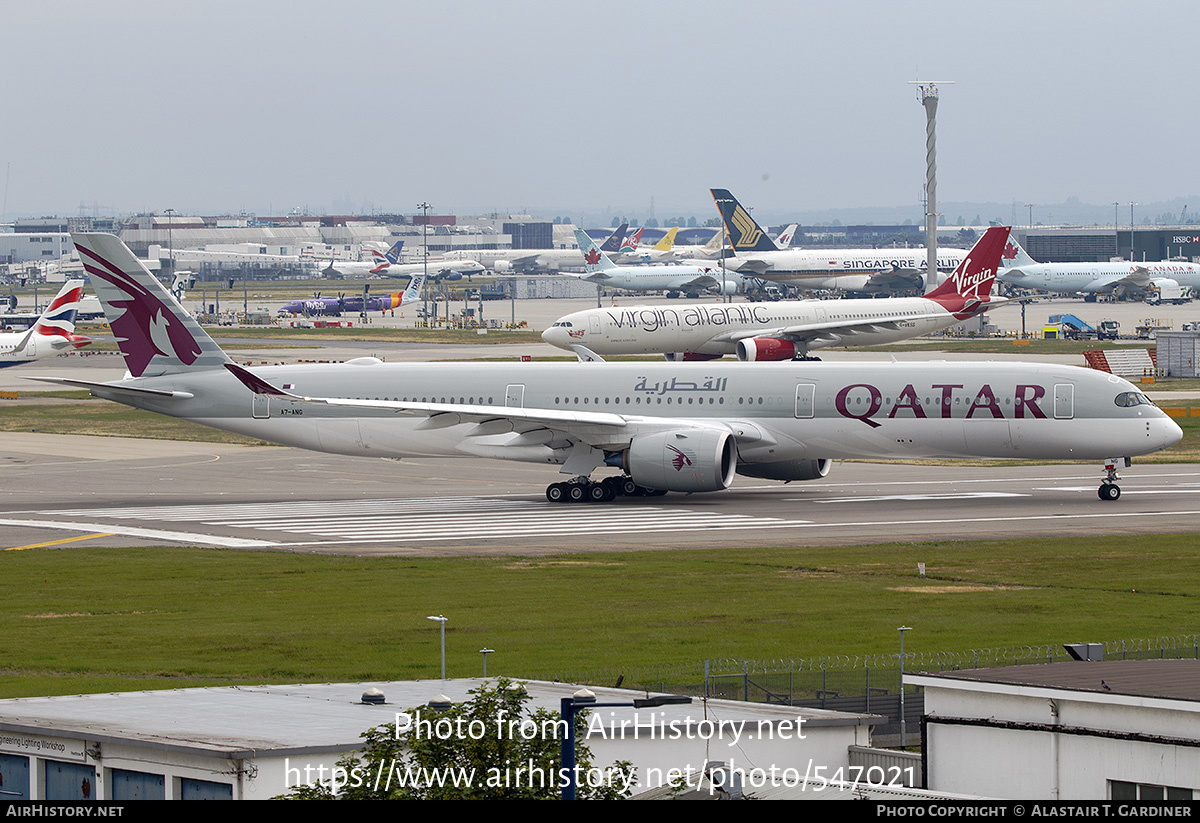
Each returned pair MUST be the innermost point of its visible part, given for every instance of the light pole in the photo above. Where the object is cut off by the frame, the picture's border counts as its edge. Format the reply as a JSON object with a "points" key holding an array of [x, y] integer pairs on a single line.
{"points": [[170, 245], [1030, 207], [927, 93], [425, 207], [902, 630], [442, 620]]}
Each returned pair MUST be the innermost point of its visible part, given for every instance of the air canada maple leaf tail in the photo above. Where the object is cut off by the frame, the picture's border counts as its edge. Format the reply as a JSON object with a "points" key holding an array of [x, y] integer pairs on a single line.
{"points": [[974, 276], [155, 335]]}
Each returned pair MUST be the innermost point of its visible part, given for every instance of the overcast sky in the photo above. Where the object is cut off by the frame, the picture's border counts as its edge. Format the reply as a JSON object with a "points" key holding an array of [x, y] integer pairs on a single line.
{"points": [[567, 108]]}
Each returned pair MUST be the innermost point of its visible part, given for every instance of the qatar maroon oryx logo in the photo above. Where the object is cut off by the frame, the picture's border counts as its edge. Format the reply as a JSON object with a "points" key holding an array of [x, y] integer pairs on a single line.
{"points": [[147, 327], [680, 460]]}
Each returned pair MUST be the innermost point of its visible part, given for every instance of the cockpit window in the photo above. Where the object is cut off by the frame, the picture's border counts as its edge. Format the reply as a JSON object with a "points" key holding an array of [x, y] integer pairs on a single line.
{"points": [[1132, 398]]}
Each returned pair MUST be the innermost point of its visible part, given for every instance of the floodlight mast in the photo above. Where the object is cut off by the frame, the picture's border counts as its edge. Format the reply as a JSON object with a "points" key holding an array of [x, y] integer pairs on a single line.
{"points": [[927, 93]]}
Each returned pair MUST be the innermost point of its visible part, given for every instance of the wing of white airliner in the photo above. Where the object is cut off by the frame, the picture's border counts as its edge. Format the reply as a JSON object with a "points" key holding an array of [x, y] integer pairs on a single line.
{"points": [[835, 330], [499, 429], [896, 279]]}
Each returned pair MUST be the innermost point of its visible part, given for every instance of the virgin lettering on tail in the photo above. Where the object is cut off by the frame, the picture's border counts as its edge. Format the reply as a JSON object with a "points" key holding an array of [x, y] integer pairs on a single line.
{"points": [[970, 286]]}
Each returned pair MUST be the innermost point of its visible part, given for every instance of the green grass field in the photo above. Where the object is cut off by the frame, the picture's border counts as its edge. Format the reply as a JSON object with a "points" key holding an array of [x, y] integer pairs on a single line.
{"points": [[94, 619]]}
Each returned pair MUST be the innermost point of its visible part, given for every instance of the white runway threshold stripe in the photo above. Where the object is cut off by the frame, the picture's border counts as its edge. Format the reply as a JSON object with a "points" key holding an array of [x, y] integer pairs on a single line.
{"points": [[149, 534], [434, 519]]}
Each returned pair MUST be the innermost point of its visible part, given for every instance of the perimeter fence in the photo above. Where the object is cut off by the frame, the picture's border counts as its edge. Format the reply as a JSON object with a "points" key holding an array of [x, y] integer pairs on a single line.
{"points": [[865, 683]]}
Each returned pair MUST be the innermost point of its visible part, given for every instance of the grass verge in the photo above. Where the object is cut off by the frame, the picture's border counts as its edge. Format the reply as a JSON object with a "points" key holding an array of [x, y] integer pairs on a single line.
{"points": [[88, 619]]}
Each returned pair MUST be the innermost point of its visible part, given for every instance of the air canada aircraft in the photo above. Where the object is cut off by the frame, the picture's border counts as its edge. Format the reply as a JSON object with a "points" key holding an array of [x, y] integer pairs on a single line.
{"points": [[664, 426], [53, 333], [1019, 269], [878, 270], [786, 330], [686, 278]]}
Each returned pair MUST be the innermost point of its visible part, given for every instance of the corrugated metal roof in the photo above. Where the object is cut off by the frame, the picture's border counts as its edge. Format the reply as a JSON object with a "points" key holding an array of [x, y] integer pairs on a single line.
{"points": [[1167, 679]]}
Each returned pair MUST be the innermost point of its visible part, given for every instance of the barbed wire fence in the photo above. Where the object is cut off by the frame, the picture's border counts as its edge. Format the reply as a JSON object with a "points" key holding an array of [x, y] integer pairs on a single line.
{"points": [[865, 683]]}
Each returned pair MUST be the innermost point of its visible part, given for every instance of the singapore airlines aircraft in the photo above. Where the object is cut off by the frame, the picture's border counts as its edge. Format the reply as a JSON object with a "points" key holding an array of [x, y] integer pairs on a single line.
{"points": [[786, 330], [665, 426], [1092, 278], [681, 278], [52, 334], [849, 269]]}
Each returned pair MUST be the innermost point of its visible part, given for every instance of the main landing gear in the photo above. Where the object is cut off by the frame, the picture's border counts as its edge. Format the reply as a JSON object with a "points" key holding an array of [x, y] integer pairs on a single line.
{"points": [[1109, 490], [583, 490]]}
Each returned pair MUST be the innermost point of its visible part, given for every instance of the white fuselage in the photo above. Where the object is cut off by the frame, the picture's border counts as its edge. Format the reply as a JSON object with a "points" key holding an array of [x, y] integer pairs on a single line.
{"points": [[776, 411], [37, 346], [715, 329], [1097, 277], [836, 268]]}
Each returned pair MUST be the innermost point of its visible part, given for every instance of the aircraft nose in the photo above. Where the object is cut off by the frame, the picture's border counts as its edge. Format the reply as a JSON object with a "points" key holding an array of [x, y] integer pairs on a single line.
{"points": [[1168, 432], [553, 336]]}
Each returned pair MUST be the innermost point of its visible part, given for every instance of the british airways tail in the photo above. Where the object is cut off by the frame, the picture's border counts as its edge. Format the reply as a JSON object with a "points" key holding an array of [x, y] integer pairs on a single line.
{"points": [[155, 335], [745, 235], [972, 280], [57, 323]]}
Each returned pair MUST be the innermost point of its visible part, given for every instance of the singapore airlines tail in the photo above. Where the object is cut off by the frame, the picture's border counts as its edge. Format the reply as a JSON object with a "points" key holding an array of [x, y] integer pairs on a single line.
{"points": [[745, 235]]}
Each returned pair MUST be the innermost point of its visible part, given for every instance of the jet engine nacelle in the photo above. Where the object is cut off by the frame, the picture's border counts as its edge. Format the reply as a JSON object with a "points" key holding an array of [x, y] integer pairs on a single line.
{"points": [[730, 286], [502, 265], [689, 357], [695, 460], [787, 469], [765, 348]]}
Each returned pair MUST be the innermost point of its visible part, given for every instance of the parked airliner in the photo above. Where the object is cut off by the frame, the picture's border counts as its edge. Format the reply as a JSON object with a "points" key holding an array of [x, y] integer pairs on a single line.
{"points": [[1019, 269], [879, 270], [353, 304], [689, 279], [665, 426], [789, 329], [53, 333]]}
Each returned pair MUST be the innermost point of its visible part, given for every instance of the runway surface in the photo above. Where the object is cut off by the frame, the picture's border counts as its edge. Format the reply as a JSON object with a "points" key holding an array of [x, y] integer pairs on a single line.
{"points": [[96, 492]]}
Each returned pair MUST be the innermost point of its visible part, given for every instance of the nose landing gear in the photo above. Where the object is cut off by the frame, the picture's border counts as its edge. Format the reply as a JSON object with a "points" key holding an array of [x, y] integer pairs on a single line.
{"points": [[1109, 490]]}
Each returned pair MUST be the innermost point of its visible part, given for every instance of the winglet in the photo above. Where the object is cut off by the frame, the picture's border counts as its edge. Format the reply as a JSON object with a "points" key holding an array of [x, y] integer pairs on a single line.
{"points": [[585, 354], [255, 383]]}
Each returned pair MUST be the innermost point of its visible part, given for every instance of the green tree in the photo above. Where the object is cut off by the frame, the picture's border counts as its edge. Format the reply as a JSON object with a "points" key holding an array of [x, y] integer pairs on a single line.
{"points": [[491, 747]]}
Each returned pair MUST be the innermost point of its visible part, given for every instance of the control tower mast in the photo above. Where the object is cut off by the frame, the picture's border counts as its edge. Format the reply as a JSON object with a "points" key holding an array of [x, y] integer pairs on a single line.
{"points": [[927, 93]]}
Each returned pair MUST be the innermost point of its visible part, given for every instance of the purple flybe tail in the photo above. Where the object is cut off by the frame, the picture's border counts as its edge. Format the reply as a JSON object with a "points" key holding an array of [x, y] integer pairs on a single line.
{"points": [[155, 334]]}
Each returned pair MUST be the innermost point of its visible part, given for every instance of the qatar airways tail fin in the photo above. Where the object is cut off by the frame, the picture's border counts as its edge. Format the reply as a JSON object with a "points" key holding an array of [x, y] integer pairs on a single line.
{"points": [[973, 278], [155, 334]]}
